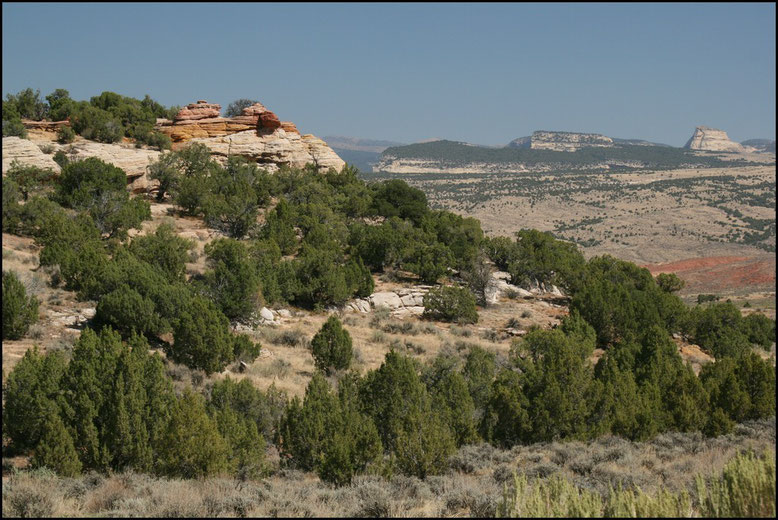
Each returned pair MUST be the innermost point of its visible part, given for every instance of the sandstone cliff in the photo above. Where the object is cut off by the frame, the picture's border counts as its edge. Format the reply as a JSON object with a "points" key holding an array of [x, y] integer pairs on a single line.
{"points": [[713, 140], [257, 134], [567, 141]]}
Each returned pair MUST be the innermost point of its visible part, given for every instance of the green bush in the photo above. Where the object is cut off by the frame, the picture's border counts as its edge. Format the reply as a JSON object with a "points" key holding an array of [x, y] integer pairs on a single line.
{"points": [[30, 179], [19, 310], [236, 107], [232, 281], [83, 182], [201, 336], [13, 127], [65, 135], [450, 304], [331, 347], [127, 311]]}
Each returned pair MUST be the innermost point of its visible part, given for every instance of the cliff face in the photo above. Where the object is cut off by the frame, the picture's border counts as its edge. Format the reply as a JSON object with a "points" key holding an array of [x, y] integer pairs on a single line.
{"points": [[256, 134], [713, 140], [560, 141], [567, 141]]}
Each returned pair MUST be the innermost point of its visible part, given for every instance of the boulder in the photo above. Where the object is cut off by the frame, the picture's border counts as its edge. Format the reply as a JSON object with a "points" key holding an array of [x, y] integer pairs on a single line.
{"points": [[387, 299], [266, 314], [268, 120]]}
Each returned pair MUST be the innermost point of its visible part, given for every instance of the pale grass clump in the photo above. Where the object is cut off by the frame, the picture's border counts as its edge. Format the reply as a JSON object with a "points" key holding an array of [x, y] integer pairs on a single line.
{"points": [[746, 488]]}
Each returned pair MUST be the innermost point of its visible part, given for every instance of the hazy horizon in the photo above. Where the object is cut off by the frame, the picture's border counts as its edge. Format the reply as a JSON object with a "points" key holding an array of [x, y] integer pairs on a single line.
{"points": [[480, 73]]}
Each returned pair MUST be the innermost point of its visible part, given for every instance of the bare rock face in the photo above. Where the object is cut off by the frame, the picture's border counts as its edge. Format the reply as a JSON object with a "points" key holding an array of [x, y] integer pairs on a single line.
{"points": [[713, 140], [565, 141], [199, 110], [26, 152], [257, 134]]}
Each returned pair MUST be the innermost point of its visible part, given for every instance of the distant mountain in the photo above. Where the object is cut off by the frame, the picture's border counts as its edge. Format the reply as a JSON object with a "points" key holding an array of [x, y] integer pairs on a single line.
{"points": [[638, 142], [762, 145], [572, 141], [710, 139], [455, 157], [359, 144]]}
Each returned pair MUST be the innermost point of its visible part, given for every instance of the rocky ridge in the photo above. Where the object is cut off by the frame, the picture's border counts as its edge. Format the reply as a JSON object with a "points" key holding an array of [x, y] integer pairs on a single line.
{"points": [[257, 134], [561, 141], [712, 140]]}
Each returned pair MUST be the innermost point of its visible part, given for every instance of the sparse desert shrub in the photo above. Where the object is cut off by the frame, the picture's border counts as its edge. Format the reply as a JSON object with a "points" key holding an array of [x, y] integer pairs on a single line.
{"points": [[511, 293], [746, 488], [25, 496], [378, 337], [460, 331], [526, 314]]}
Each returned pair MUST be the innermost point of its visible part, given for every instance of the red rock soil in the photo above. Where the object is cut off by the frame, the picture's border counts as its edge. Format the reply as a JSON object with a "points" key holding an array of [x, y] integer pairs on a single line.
{"points": [[721, 273]]}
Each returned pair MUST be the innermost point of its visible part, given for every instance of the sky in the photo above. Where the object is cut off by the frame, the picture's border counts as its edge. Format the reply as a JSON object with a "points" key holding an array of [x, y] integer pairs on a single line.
{"points": [[481, 73]]}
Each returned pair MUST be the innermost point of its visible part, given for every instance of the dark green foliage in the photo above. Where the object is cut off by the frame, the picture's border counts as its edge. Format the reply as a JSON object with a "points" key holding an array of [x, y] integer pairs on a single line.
{"points": [[82, 183], [479, 372], [61, 158], [506, 422], [165, 250], [192, 446], [238, 193], [12, 210], [462, 236], [279, 227], [539, 256], [127, 311], [95, 124], [620, 300], [760, 330], [26, 104], [30, 394], [327, 433], [19, 310], [246, 456], [395, 198], [60, 104], [65, 135], [29, 179], [669, 282], [450, 397], [331, 346], [232, 281], [55, 450], [429, 262], [13, 127], [450, 304], [742, 387], [320, 278], [236, 107], [202, 337], [718, 328], [358, 278], [265, 409]]}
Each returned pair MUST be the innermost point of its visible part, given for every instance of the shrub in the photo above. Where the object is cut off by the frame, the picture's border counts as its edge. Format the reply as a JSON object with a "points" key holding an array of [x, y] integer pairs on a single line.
{"points": [[450, 304], [746, 488], [127, 311], [201, 336], [233, 281], [61, 158], [29, 179], [19, 310], [65, 135], [236, 107], [82, 183], [331, 346], [13, 128]]}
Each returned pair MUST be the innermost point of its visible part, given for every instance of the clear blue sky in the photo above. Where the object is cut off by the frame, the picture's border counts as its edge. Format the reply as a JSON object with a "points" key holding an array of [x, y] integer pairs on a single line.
{"points": [[482, 73]]}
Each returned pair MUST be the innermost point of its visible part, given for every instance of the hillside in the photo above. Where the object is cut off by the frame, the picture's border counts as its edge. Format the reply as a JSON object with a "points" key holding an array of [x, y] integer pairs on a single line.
{"points": [[452, 157]]}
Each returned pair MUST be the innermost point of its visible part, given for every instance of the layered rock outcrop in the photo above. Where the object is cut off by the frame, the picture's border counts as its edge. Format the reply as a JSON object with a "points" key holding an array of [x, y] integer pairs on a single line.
{"points": [[567, 141], [257, 134], [133, 161], [26, 152], [712, 140]]}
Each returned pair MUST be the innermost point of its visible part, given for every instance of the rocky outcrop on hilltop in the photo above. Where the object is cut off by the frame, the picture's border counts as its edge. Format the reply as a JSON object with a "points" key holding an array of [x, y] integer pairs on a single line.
{"points": [[712, 140], [567, 141], [760, 145], [257, 134]]}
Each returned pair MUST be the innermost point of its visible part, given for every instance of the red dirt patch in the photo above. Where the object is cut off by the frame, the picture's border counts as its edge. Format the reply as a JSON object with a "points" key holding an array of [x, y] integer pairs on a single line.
{"points": [[721, 273]]}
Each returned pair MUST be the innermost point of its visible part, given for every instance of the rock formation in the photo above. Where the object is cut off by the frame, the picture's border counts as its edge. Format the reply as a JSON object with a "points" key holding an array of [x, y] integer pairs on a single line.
{"points": [[26, 152], [713, 140], [257, 134], [567, 141], [130, 159]]}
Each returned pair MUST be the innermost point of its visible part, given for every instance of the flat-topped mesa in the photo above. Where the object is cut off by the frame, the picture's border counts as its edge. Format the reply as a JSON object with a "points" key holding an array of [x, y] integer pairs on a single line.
{"points": [[257, 134], [712, 140], [567, 141]]}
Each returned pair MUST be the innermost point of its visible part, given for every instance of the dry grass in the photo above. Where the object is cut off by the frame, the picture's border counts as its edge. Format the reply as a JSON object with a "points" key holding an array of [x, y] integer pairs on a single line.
{"points": [[473, 486]]}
